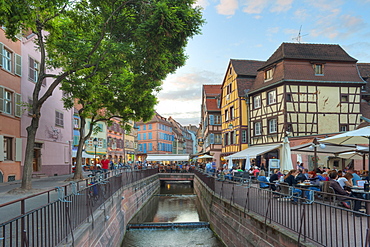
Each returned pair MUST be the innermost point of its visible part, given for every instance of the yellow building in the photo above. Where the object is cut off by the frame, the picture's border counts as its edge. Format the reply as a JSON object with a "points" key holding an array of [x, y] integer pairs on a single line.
{"points": [[239, 77]]}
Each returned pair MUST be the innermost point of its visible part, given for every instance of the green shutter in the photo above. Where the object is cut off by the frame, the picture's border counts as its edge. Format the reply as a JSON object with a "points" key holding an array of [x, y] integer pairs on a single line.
{"points": [[18, 105], [1, 99], [18, 65], [1, 148], [1, 54], [18, 149]]}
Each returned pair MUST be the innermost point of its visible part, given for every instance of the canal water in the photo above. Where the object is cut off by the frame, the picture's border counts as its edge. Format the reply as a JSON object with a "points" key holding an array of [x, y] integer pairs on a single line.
{"points": [[176, 203]]}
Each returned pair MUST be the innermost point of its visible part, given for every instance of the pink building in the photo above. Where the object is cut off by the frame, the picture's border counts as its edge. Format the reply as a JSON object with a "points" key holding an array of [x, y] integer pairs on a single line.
{"points": [[52, 151]]}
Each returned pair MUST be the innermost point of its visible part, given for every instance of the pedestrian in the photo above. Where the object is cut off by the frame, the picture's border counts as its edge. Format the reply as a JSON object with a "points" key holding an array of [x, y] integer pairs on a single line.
{"points": [[104, 164]]}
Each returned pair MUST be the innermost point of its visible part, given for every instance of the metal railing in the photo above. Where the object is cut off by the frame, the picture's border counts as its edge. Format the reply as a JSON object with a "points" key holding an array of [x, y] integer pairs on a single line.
{"points": [[321, 220], [49, 218]]}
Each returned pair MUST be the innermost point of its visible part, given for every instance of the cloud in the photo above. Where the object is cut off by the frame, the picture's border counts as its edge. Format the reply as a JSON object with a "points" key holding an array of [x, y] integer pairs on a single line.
{"points": [[227, 7], [281, 5], [202, 3], [301, 14], [255, 6], [358, 51]]}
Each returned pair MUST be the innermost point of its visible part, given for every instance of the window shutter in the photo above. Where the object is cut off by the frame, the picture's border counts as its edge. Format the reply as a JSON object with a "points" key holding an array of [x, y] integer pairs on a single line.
{"points": [[211, 120], [212, 139], [18, 65], [1, 148], [18, 149], [104, 143], [1, 54], [1, 99], [18, 107], [31, 67]]}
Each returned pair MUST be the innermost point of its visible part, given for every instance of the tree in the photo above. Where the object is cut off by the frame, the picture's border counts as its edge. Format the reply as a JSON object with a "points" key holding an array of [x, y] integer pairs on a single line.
{"points": [[79, 37]]}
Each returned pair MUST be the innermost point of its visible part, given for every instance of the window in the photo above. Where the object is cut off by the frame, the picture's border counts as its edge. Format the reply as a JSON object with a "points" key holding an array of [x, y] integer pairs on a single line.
{"points": [[268, 74], [59, 120], [344, 98], [7, 60], [144, 136], [150, 135], [271, 96], [217, 119], [226, 139], [232, 115], [289, 97], [138, 137], [226, 115], [150, 147], [228, 89], [34, 70], [318, 69], [144, 127], [244, 136], [218, 139], [257, 101], [257, 128], [150, 126], [8, 102], [76, 123], [343, 127], [8, 144], [272, 126]]}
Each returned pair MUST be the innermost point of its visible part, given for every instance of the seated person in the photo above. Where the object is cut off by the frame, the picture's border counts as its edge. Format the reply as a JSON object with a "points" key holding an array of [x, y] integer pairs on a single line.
{"points": [[290, 179], [340, 191], [274, 177], [346, 180], [263, 180], [300, 177]]}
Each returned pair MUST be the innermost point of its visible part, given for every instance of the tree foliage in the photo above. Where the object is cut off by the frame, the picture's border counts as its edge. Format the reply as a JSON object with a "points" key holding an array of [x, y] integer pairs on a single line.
{"points": [[113, 53]]}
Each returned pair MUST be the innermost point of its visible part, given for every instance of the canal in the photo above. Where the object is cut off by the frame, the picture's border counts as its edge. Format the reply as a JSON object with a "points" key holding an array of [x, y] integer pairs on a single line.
{"points": [[177, 204]]}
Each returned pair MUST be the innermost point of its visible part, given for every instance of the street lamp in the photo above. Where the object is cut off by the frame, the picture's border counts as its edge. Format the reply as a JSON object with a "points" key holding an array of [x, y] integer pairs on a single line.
{"points": [[230, 126], [315, 144], [95, 143]]}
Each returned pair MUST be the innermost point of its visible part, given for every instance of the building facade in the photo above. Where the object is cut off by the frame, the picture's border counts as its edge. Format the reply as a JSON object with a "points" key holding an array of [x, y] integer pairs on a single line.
{"points": [[155, 136], [238, 80], [54, 137], [211, 121], [10, 109]]}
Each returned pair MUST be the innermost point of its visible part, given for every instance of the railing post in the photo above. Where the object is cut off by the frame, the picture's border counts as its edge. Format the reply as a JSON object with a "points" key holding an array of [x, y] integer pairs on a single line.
{"points": [[23, 227]]}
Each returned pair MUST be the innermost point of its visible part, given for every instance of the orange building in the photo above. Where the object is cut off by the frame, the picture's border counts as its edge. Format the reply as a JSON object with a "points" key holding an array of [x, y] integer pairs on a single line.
{"points": [[10, 109], [154, 137]]}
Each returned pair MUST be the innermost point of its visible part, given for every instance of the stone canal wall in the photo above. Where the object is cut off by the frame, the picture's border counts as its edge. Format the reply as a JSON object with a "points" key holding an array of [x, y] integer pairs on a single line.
{"points": [[108, 224], [235, 228]]}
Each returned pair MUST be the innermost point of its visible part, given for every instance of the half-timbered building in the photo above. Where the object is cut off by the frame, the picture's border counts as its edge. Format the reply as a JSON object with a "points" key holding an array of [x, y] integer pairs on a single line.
{"points": [[305, 89], [239, 78]]}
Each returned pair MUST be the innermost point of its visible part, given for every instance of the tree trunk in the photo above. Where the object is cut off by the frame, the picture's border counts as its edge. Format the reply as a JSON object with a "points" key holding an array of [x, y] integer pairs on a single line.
{"points": [[28, 161], [78, 168]]}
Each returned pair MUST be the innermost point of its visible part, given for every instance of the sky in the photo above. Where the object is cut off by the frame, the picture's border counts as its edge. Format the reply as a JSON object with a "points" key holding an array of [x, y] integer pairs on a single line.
{"points": [[254, 29]]}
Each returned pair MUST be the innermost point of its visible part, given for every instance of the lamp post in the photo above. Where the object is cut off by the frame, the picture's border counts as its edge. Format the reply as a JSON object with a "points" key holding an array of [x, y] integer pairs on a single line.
{"points": [[315, 144], [95, 143]]}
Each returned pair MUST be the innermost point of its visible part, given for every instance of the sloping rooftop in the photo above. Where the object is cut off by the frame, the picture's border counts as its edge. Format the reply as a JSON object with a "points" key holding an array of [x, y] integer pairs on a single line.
{"points": [[315, 52], [212, 90], [246, 67]]}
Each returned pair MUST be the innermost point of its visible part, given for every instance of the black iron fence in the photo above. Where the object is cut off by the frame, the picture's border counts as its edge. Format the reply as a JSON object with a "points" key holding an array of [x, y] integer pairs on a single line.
{"points": [[48, 218], [317, 217]]}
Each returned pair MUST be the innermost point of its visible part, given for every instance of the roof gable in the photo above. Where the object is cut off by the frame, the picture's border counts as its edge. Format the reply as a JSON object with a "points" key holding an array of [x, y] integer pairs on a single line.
{"points": [[315, 52]]}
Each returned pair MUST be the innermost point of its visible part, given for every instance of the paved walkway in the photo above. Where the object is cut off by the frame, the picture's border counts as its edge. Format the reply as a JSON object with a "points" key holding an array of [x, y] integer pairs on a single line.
{"points": [[38, 185]]}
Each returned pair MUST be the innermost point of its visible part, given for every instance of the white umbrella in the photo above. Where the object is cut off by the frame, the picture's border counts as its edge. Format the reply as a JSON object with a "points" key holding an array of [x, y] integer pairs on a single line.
{"points": [[206, 156], [286, 157], [351, 155], [359, 136], [247, 163], [230, 163]]}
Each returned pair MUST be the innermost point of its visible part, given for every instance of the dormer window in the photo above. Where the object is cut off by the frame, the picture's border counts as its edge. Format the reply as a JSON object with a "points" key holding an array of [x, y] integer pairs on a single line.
{"points": [[268, 74], [319, 69]]}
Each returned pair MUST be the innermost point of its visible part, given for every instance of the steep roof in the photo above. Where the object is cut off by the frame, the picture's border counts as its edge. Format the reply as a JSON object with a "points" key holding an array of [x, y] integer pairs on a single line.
{"points": [[364, 69], [211, 105], [212, 90], [315, 52], [246, 67]]}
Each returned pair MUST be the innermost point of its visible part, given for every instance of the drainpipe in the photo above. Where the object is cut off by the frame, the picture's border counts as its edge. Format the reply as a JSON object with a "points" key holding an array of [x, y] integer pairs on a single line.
{"points": [[248, 116]]}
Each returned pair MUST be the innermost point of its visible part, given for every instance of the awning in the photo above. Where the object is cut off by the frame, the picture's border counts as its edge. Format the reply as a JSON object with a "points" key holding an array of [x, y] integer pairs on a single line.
{"points": [[253, 151], [328, 149], [84, 155], [167, 157]]}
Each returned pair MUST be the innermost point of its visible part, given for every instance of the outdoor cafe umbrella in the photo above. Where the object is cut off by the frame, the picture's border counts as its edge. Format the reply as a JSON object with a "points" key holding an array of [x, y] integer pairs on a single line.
{"points": [[286, 158], [359, 136], [205, 156]]}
